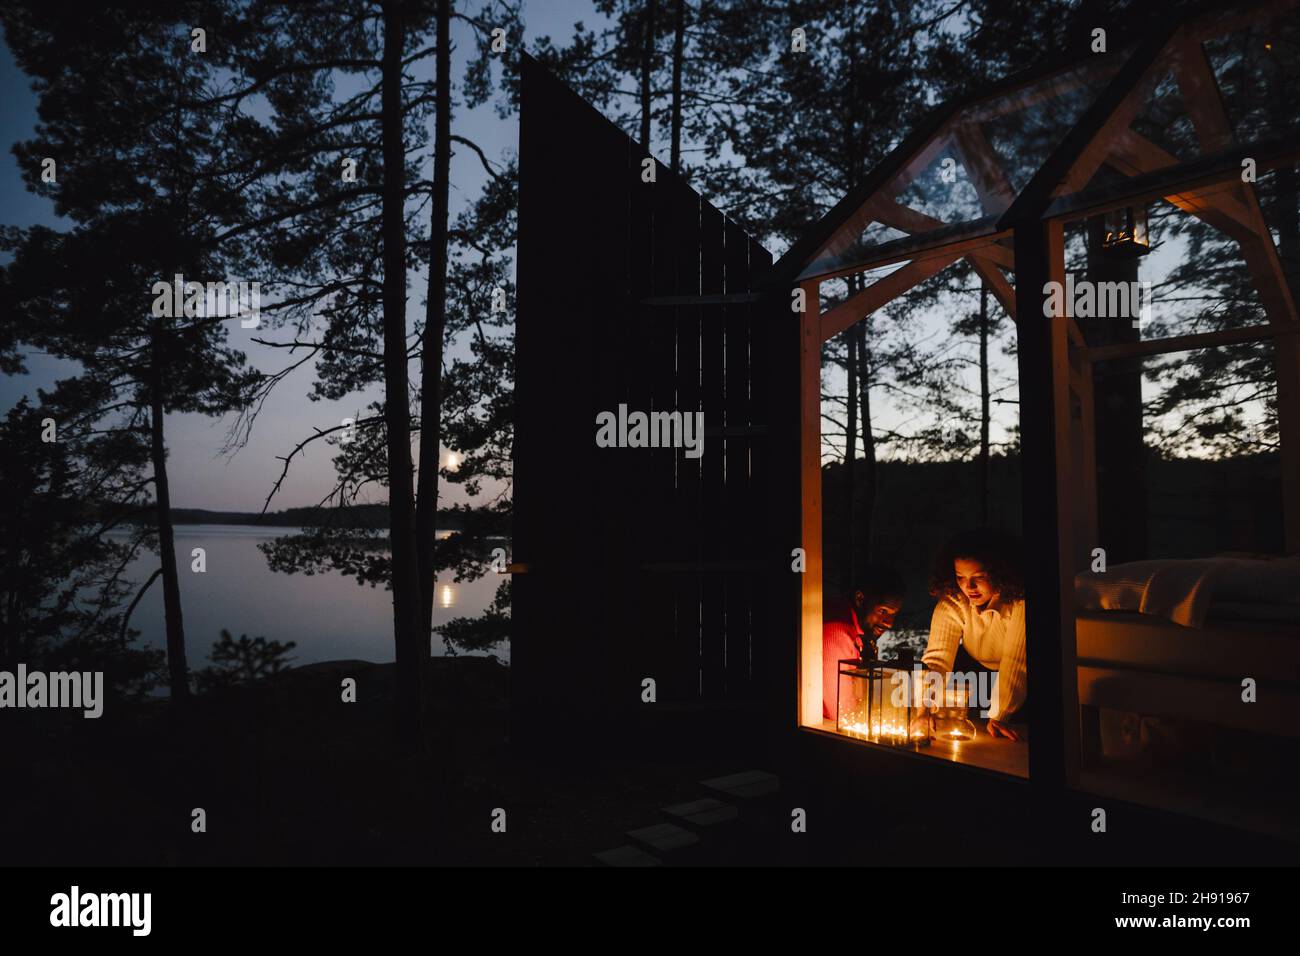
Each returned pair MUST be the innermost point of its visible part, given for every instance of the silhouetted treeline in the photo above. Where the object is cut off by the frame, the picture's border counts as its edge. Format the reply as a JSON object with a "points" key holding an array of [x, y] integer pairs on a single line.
{"points": [[1195, 508], [369, 517]]}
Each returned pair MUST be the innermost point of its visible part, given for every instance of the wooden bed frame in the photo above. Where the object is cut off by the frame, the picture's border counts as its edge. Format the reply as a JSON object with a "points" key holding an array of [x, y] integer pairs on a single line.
{"points": [[1144, 664]]}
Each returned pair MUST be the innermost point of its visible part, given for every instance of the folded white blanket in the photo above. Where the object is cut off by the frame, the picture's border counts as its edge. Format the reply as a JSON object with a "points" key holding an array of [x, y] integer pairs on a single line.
{"points": [[1182, 591]]}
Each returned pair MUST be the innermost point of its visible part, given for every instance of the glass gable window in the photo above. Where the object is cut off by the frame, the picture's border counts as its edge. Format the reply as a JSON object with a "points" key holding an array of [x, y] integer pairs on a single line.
{"points": [[970, 170]]}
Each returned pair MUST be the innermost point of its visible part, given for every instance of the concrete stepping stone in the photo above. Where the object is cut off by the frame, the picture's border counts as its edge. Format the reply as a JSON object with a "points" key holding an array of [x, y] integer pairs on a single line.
{"points": [[664, 838], [749, 785], [627, 856], [702, 814]]}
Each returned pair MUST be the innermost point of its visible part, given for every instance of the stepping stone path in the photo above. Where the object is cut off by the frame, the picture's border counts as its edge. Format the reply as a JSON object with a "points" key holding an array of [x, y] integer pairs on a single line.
{"points": [[703, 813], [627, 856], [710, 823], [745, 786]]}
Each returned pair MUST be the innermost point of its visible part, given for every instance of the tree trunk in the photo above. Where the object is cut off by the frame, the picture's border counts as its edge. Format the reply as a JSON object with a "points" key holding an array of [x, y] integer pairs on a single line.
{"points": [[679, 42], [849, 573], [426, 502], [867, 485], [859, 535], [1117, 396], [983, 482], [647, 69], [1286, 361], [407, 633], [1288, 219], [177, 669]]}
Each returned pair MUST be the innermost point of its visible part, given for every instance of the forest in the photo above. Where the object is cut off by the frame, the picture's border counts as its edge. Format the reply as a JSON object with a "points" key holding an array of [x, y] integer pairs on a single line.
{"points": [[307, 150]]}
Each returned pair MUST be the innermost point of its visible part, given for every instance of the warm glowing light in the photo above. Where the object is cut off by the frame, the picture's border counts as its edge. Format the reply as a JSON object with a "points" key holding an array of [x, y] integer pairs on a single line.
{"points": [[446, 596], [875, 730], [453, 461], [1126, 233]]}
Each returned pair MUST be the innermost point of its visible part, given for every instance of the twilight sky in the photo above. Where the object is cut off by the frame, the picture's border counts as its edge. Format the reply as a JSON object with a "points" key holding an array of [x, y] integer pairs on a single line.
{"points": [[200, 476]]}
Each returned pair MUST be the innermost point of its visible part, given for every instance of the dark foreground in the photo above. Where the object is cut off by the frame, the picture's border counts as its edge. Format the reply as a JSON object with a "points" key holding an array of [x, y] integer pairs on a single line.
{"points": [[288, 774]]}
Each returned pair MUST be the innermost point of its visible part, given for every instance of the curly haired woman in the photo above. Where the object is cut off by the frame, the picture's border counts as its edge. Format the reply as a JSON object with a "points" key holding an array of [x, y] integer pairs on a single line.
{"points": [[978, 578]]}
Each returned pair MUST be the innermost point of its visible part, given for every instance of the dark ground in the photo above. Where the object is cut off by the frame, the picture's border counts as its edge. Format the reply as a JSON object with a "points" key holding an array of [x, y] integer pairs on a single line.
{"points": [[291, 775]]}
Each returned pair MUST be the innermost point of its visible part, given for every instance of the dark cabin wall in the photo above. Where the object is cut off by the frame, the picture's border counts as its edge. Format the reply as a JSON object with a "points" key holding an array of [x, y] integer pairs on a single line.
{"points": [[641, 563]]}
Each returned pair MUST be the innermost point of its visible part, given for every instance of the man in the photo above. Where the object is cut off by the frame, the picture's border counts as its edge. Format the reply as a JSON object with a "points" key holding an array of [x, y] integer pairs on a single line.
{"points": [[852, 623]]}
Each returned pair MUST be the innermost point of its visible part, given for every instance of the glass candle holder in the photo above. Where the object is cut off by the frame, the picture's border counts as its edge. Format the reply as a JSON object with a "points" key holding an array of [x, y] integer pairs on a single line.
{"points": [[880, 701], [951, 720]]}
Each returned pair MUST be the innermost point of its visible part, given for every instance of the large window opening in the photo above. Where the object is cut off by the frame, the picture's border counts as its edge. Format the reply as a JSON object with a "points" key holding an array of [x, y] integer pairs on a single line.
{"points": [[1151, 247], [923, 643]]}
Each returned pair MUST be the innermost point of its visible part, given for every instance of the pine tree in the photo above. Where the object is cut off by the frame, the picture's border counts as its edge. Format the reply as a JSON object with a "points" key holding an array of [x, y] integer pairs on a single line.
{"points": [[140, 156]]}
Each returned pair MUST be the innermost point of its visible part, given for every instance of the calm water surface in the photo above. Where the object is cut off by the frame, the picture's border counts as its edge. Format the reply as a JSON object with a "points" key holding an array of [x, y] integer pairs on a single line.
{"points": [[330, 616]]}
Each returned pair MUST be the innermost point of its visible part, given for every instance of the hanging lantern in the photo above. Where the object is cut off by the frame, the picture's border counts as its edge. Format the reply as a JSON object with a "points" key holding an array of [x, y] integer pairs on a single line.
{"points": [[1124, 233]]}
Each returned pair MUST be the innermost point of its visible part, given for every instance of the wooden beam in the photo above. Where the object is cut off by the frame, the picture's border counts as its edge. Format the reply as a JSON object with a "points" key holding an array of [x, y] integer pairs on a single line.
{"points": [[1077, 385], [1204, 102], [1200, 93], [1286, 359], [1006, 296], [810, 482], [960, 238], [919, 163], [987, 176], [1233, 209], [1048, 85], [1087, 527], [918, 223], [1101, 147], [840, 228], [1134, 155], [893, 213], [1075, 333], [880, 293], [1209, 116], [1182, 343], [1084, 147], [1002, 290], [1046, 502], [1195, 175]]}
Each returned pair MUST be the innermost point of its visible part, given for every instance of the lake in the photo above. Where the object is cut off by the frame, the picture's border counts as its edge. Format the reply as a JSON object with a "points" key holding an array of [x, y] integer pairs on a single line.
{"points": [[330, 616]]}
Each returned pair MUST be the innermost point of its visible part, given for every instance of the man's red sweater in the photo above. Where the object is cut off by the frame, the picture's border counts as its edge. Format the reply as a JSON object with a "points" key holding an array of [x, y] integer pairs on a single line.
{"points": [[841, 638]]}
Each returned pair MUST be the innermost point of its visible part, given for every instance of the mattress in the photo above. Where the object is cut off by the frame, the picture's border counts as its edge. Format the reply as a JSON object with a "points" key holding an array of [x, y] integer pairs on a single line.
{"points": [[1189, 591], [1269, 651]]}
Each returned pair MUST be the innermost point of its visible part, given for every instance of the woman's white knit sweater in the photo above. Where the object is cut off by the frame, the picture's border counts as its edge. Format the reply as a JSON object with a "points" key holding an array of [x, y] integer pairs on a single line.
{"points": [[994, 636]]}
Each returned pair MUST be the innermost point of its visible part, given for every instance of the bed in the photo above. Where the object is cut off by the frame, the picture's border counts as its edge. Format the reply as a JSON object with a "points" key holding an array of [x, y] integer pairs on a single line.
{"points": [[1176, 639]]}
